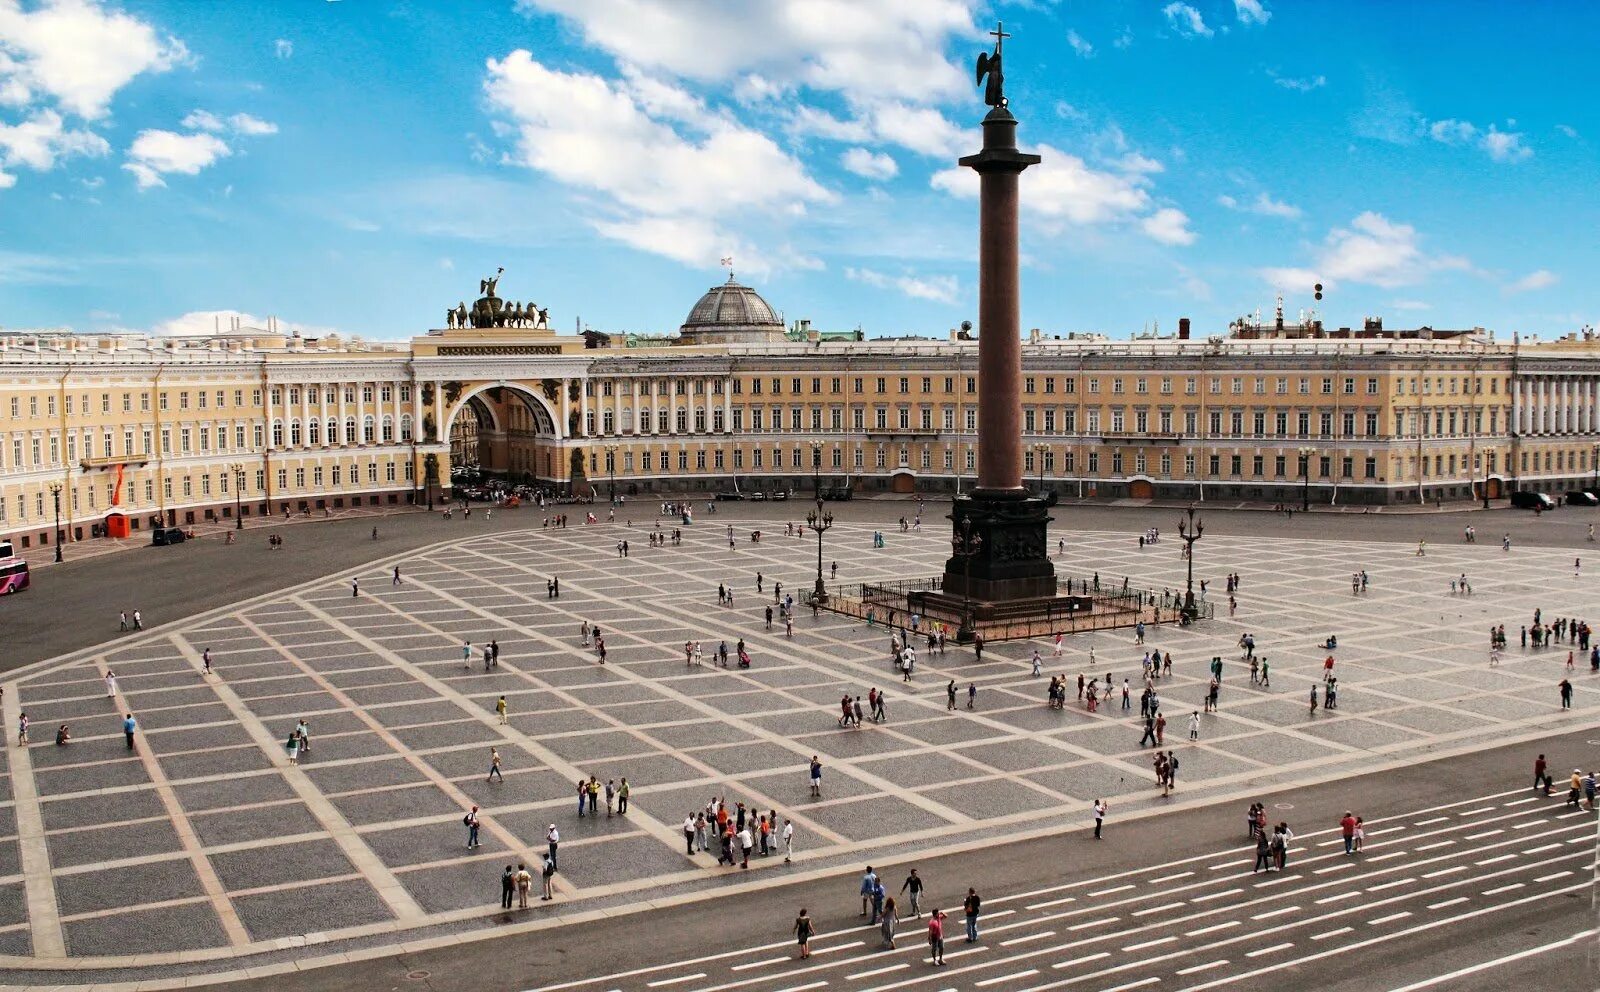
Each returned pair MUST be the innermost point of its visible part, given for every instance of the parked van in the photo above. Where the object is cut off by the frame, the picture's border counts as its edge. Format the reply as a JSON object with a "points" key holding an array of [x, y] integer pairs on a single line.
{"points": [[1528, 500]]}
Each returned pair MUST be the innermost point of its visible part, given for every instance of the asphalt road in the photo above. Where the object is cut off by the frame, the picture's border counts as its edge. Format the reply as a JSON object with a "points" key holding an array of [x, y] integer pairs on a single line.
{"points": [[74, 605], [1434, 825]]}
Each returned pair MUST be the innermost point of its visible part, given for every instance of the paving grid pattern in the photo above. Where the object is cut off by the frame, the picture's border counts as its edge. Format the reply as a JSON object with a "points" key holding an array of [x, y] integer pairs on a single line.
{"points": [[1203, 922], [205, 844]]}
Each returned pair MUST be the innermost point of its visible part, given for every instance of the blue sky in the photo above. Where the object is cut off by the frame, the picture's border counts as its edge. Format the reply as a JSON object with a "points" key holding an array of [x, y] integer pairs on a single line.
{"points": [[359, 165]]}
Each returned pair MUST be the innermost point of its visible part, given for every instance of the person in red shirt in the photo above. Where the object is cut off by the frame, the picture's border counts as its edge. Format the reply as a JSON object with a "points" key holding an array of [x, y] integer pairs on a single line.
{"points": [[936, 937], [1327, 668], [1540, 766], [1347, 827]]}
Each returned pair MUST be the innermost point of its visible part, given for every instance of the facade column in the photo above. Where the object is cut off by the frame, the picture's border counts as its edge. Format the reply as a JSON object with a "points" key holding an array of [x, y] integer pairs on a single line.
{"points": [[727, 404], [672, 407], [583, 403], [322, 412], [441, 435], [561, 411]]}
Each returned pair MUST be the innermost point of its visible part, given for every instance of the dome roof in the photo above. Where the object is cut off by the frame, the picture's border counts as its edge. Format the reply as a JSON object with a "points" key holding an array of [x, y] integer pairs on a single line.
{"points": [[731, 307]]}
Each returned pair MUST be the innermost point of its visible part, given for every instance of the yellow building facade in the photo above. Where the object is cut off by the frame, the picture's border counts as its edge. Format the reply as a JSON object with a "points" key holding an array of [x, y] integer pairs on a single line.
{"points": [[177, 431]]}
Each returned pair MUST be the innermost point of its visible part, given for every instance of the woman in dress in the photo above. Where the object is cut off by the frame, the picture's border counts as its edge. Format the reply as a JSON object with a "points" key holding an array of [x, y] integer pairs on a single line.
{"points": [[803, 929], [887, 921], [292, 745]]}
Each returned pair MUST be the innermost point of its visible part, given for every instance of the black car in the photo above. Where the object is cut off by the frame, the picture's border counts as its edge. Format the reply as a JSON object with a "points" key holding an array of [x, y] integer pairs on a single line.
{"points": [[729, 497], [1582, 497]]}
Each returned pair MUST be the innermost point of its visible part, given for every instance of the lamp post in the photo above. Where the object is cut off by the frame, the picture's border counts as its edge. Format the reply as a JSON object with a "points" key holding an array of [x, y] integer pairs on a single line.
{"points": [[966, 546], [237, 468], [1305, 477], [1594, 462], [55, 491], [1484, 462], [818, 520], [1190, 531], [611, 470], [1039, 449]]}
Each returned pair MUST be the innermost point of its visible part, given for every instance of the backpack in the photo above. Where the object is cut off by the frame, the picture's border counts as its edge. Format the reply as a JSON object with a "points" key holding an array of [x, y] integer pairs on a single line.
{"points": [[466, 821]]}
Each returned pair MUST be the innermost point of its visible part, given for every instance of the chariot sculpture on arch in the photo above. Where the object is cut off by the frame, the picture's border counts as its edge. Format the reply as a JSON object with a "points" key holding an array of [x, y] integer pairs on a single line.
{"points": [[491, 311]]}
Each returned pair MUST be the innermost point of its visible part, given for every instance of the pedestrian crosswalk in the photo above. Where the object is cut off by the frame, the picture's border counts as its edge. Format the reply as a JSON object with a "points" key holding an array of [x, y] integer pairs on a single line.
{"points": [[1202, 922]]}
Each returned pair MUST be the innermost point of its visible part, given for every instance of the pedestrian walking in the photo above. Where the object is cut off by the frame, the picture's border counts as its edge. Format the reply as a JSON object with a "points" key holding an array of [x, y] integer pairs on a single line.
{"points": [[130, 726], [494, 765], [138, 620], [500, 709], [1099, 809], [205, 662], [470, 821], [972, 695], [816, 778], [1194, 725], [111, 684], [803, 931], [950, 695], [936, 937], [888, 920], [912, 887], [355, 587]]}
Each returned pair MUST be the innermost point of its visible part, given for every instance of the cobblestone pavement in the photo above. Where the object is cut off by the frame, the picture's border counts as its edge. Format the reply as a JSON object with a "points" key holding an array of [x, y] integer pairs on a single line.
{"points": [[203, 849]]}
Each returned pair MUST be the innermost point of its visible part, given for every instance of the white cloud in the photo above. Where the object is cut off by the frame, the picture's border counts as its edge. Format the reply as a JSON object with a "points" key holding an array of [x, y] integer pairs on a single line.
{"points": [[892, 49], [1251, 12], [1170, 226], [201, 323], [245, 124], [283, 48], [869, 164], [806, 121], [660, 190], [40, 141], [1501, 146], [921, 129], [939, 289], [1505, 146], [1135, 162], [204, 120], [1080, 45], [1537, 279], [1186, 20], [1304, 84], [250, 126], [1125, 39], [1264, 205], [1568, 130], [1064, 189], [155, 153], [1372, 250], [77, 53]]}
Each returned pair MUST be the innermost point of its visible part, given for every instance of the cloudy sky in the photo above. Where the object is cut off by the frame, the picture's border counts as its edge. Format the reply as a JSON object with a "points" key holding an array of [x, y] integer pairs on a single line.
{"points": [[360, 164]]}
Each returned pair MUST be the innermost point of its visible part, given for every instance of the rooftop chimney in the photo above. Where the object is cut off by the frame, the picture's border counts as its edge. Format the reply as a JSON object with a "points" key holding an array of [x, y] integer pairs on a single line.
{"points": [[1183, 328]]}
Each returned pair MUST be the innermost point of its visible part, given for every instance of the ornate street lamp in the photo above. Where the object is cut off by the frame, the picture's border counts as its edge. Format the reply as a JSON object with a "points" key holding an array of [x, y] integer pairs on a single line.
{"points": [[1039, 450], [611, 470], [1190, 531], [237, 468], [1595, 463], [818, 520], [55, 491], [966, 545], [1305, 477]]}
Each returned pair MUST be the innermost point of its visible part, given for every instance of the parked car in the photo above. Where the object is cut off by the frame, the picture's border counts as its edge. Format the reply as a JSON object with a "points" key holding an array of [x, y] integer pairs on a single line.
{"points": [[729, 497], [1529, 500], [758, 495], [1582, 497], [778, 494]]}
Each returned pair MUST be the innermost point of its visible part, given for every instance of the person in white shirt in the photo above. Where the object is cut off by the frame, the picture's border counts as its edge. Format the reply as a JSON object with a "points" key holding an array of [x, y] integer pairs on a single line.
{"points": [[788, 840]]}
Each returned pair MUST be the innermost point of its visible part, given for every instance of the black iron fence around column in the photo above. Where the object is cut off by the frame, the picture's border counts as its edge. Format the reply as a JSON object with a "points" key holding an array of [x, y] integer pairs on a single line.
{"points": [[1117, 603]]}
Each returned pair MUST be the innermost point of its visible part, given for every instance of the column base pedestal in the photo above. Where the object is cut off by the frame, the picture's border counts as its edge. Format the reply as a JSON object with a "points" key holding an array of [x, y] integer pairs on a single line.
{"points": [[1011, 558]]}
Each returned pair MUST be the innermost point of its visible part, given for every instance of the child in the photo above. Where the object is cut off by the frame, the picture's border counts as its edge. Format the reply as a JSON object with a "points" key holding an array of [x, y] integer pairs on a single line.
{"points": [[1361, 833]]}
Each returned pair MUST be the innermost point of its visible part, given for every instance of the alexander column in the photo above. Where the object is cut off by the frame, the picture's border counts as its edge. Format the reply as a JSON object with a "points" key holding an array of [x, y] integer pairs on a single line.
{"points": [[1000, 529]]}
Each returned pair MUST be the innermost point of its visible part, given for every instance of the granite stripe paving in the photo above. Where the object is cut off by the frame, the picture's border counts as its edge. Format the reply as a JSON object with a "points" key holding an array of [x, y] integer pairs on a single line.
{"points": [[225, 839]]}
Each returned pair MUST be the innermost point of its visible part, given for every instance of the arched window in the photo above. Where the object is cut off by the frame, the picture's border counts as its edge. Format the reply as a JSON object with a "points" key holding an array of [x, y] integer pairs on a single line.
{"points": [[405, 427], [349, 430], [368, 430], [294, 433], [388, 428], [314, 431], [277, 433], [332, 427]]}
